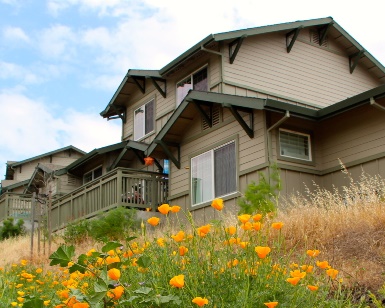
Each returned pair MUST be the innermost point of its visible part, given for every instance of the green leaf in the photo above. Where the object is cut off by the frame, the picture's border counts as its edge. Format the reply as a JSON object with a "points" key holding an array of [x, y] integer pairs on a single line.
{"points": [[34, 303], [144, 261], [169, 298], [143, 290], [111, 246], [100, 286], [129, 239], [63, 255], [96, 298]]}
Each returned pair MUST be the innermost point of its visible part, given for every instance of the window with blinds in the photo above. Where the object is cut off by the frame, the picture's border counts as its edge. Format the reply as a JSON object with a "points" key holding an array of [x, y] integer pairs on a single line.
{"points": [[196, 81], [213, 174], [144, 120], [294, 145]]}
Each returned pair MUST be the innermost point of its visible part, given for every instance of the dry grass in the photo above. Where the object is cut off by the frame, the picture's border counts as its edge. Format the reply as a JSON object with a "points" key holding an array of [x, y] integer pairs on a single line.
{"points": [[348, 226]]}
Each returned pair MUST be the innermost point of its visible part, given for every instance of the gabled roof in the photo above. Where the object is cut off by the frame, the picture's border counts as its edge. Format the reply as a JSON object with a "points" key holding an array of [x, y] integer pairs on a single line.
{"points": [[130, 144], [47, 154], [352, 47], [172, 132]]}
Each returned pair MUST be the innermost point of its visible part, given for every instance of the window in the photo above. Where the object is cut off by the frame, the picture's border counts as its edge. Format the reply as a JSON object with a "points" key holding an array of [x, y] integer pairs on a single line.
{"points": [[213, 174], [294, 145], [92, 175], [196, 81], [144, 120]]}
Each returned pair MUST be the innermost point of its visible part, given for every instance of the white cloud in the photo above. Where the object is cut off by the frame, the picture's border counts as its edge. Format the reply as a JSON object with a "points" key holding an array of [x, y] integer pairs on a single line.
{"points": [[58, 42], [28, 128], [18, 72], [15, 34]]}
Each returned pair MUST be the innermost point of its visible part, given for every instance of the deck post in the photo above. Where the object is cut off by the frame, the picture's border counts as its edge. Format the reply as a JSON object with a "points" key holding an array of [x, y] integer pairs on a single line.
{"points": [[119, 183]]}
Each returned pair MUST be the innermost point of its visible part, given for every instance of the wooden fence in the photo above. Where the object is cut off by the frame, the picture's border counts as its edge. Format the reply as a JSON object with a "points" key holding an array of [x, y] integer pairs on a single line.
{"points": [[15, 205], [120, 187]]}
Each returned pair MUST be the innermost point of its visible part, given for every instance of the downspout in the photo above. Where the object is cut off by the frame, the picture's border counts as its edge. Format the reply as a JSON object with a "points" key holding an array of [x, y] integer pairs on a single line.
{"points": [[274, 126], [221, 64], [376, 105]]}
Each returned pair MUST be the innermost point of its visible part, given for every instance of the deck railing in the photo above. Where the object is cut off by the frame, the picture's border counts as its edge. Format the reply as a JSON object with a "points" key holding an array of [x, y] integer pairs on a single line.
{"points": [[15, 205], [120, 187]]}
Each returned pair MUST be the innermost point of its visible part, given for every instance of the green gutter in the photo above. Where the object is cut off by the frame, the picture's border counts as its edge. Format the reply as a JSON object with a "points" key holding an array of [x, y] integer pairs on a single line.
{"points": [[272, 28], [186, 54]]}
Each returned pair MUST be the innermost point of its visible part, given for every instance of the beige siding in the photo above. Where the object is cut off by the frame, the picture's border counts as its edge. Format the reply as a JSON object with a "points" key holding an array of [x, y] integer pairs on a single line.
{"points": [[165, 106], [251, 150], [308, 73], [353, 135]]}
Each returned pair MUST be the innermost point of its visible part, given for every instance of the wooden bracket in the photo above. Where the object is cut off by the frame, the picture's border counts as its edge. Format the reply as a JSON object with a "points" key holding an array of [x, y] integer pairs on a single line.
{"points": [[140, 82], [156, 81], [291, 37], [234, 51], [353, 60]]}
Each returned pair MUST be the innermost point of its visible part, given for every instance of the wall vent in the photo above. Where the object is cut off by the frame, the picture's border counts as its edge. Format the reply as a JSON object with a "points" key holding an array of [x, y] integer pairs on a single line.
{"points": [[314, 38], [216, 117]]}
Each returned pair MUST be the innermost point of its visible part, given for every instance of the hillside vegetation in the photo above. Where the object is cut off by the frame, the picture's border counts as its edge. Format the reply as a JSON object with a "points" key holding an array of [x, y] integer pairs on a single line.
{"points": [[347, 227]]}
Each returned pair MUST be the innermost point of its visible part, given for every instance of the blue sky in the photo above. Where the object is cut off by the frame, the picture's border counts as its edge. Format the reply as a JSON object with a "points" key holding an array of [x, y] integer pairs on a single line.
{"points": [[62, 60]]}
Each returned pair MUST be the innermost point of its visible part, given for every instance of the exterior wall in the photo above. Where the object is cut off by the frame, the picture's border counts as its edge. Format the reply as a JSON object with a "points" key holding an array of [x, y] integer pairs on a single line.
{"points": [[164, 107], [352, 136], [250, 154], [309, 73]]}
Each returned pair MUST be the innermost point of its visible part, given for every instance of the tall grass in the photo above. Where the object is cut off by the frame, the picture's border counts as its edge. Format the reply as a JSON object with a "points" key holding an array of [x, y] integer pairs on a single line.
{"points": [[346, 225]]}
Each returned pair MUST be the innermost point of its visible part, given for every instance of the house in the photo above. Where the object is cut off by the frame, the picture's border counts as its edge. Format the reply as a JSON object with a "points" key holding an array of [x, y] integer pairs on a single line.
{"points": [[35, 174], [303, 94]]}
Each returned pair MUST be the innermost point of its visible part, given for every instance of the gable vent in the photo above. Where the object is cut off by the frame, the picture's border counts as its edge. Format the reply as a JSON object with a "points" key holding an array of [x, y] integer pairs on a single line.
{"points": [[215, 120], [71, 180], [314, 38]]}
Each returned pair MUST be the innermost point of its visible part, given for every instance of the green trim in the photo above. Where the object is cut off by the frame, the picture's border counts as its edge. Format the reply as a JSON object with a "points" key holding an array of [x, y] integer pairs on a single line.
{"points": [[196, 48], [272, 28], [267, 93], [351, 102], [284, 166], [47, 154], [233, 53], [15, 185], [254, 169], [294, 33], [275, 105]]}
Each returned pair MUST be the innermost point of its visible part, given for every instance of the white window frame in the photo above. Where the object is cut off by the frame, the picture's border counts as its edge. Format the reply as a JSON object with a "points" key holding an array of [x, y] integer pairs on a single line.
{"points": [[212, 184], [92, 174], [308, 136], [192, 85], [143, 108]]}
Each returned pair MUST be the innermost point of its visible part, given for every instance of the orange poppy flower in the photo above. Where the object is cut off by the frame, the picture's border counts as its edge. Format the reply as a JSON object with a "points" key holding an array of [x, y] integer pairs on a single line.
{"points": [[322, 264], [217, 204], [257, 217], [312, 288], [182, 250], [164, 208], [313, 253], [178, 237], [271, 304], [262, 251], [80, 305], [200, 301], [202, 231], [332, 273], [153, 221], [114, 274], [257, 226], [175, 208], [293, 280], [244, 218], [277, 225], [231, 230], [297, 273], [177, 281], [117, 292], [247, 226]]}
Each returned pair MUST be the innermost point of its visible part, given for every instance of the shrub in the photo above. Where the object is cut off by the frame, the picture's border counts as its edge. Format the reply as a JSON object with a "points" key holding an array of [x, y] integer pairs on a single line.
{"points": [[77, 232], [113, 225], [10, 229], [262, 197]]}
